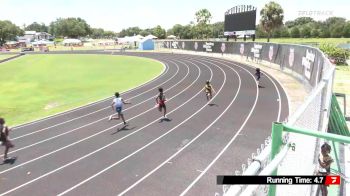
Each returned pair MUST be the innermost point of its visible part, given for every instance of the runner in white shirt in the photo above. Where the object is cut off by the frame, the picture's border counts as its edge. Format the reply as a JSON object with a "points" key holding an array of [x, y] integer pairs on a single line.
{"points": [[117, 105]]}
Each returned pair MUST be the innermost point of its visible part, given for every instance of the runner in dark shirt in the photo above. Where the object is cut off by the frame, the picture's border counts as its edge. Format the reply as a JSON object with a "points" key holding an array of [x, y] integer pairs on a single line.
{"points": [[4, 137], [258, 75], [161, 101]]}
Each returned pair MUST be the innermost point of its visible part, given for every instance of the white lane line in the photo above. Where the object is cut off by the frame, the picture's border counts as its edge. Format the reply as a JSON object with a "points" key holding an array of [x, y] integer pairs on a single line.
{"points": [[272, 81], [193, 140], [53, 171], [65, 122], [279, 98], [150, 143], [103, 118], [225, 148], [228, 144], [94, 102]]}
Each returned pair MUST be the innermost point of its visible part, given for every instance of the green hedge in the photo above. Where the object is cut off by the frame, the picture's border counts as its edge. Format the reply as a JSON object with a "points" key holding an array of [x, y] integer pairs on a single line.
{"points": [[335, 54]]}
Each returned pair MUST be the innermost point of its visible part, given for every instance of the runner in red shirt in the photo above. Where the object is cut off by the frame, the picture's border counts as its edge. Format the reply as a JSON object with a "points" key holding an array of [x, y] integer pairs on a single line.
{"points": [[161, 101]]}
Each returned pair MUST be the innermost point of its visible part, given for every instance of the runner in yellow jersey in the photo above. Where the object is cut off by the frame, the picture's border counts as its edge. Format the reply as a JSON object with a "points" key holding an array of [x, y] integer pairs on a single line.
{"points": [[209, 90]]}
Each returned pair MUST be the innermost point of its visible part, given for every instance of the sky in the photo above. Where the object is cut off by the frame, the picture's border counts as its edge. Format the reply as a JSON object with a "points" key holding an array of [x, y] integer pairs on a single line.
{"points": [[116, 15]]}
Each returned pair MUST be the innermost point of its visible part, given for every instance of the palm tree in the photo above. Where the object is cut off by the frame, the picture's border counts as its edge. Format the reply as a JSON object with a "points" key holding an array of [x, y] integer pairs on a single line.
{"points": [[271, 18]]}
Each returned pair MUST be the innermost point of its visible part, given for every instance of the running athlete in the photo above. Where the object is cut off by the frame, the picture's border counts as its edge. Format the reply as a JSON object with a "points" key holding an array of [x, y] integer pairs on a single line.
{"points": [[208, 90], [4, 137], [117, 105], [257, 74], [161, 101]]}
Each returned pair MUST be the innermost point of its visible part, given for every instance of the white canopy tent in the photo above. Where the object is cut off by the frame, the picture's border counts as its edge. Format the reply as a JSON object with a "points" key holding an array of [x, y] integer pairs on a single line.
{"points": [[151, 37], [171, 37], [71, 41], [42, 42], [132, 39]]}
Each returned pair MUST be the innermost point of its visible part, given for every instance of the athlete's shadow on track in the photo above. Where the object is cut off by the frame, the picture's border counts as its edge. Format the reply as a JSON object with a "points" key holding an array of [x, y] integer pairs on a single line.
{"points": [[123, 128], [9, 161], [213, 104], [261, 86], [165, 120]]}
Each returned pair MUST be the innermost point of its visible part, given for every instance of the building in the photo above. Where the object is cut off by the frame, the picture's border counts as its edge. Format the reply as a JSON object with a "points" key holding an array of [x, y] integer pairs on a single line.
{"points": [[146, 44], [30, 36], [43, 36]]}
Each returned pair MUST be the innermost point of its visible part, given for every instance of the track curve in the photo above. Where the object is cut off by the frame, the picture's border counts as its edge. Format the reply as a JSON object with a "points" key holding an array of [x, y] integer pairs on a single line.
{"points": [[79, 152]]}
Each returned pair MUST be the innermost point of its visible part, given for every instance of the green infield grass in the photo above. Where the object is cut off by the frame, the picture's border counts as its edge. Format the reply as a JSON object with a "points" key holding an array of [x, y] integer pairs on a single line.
{"points": [[35, 86]]}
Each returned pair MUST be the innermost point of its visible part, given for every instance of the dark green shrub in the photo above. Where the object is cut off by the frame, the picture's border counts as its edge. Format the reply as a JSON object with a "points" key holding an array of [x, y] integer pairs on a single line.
{"points": [[335, 54]]}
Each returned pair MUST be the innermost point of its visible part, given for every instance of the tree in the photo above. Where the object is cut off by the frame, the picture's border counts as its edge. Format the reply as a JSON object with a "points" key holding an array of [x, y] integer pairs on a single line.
{"points": [[70, 27], [37, 27], [177, 30], [131, 31], [260, 33], [8, 31], [325, 32], [315, 33], [290, 24], [334, 20], [303, 20], [97, 33], [188, 32], [271, 18], [285, 32], [346, 31], [337, 30], [109, 34], [202, 29], [218, 29], [203, 16], [305, 32], [276, 33], [159, 32], [146, 32], [294, 32]]}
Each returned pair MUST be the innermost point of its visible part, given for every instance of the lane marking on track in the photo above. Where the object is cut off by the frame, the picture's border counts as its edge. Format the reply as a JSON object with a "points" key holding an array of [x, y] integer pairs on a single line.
{"points": [[227, 145], [194, 139], [150, 143], [89, 154], [273, 82], [231, 141]]}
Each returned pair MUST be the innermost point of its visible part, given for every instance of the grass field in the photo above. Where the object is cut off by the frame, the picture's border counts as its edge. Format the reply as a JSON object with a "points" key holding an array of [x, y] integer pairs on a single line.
{"points": [[311, 41], [35, 86], [5, 56], [342, 80]]}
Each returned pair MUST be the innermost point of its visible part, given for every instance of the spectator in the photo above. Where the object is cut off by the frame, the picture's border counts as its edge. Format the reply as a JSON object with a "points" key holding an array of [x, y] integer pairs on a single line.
{"points": [[324, 161]]}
